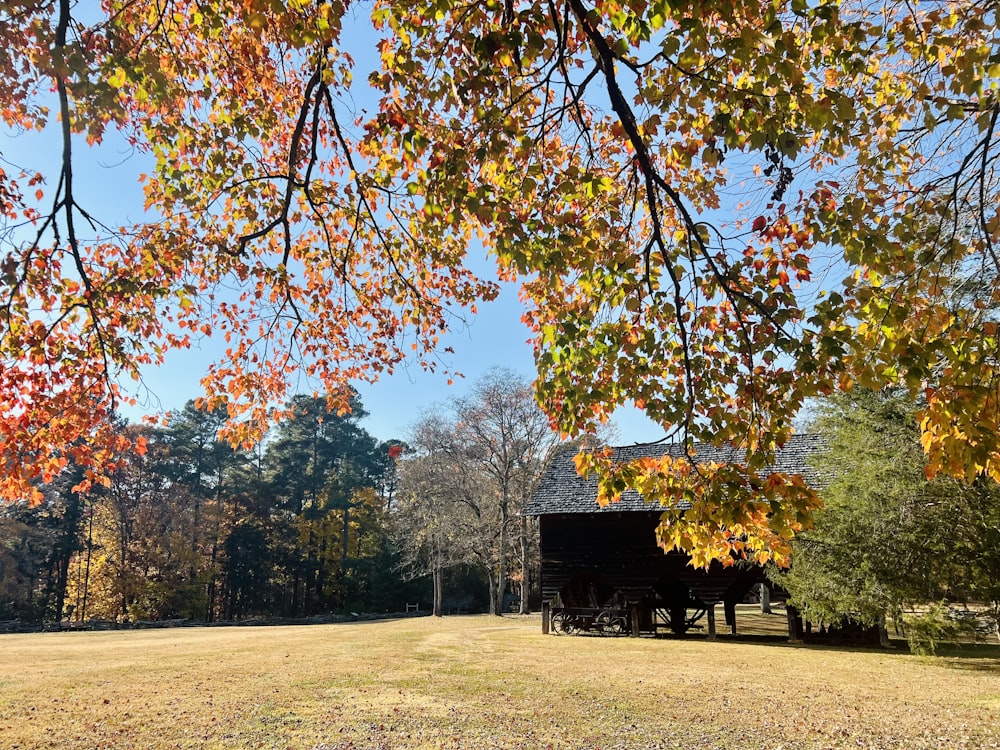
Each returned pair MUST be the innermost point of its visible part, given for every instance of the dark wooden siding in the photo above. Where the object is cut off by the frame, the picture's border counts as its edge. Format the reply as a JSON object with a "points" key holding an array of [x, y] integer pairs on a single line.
{"points": [[591, 556]]}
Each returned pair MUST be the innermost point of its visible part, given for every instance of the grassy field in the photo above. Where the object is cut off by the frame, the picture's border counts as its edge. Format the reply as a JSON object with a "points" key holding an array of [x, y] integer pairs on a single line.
{"points": [[480, 682]]}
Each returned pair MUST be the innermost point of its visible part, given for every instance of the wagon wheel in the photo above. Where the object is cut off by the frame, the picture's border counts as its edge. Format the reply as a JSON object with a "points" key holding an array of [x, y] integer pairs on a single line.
{"points": [[610, 621], [620, 625], [562, 623], [555, 622]]}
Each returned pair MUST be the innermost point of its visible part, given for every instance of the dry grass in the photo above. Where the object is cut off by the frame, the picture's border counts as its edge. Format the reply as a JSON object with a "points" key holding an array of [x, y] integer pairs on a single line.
{"points": [[480, 682]]}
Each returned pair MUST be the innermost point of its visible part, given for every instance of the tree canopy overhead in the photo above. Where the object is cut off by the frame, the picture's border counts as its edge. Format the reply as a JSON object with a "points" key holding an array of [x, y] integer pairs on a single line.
{"points": [[718, 210]]}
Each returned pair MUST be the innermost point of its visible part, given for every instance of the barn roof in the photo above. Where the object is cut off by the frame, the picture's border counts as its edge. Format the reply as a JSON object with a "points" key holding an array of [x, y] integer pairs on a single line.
{"points": [[562, 490]]}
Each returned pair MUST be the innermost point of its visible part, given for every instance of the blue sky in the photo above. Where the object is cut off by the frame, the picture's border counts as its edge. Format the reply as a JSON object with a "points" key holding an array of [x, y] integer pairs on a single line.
{"points": [[106, 180], [495, 337], [107, 186]]}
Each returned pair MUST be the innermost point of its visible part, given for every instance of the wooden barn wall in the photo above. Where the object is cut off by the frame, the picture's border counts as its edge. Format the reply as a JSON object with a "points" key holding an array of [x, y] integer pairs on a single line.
{"points": [[620, 550]]}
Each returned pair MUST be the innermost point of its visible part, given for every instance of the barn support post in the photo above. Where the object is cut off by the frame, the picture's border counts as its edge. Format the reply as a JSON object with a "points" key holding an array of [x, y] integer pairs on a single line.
{"points": [[729, 607], [794, 624], [545, 616], [633, 610], [710, 611], [883, 633]]}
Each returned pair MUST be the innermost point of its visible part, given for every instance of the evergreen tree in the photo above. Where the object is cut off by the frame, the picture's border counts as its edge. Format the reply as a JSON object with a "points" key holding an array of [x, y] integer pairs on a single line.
{"points": [[322, 467], [887, 538]]}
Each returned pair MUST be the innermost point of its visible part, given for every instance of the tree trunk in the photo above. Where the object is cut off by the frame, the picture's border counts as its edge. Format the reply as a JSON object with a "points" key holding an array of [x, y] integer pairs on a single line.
{"points": [[494, 605], [347, 531], [123, 583], [82, 608], [436, 579], [67, 546], [501, 582], [195, 536], [765, 599], [210, 585]]}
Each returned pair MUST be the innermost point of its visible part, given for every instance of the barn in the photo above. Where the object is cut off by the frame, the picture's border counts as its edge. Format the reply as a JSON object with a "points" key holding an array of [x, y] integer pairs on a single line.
{"points": [[601, 568]]}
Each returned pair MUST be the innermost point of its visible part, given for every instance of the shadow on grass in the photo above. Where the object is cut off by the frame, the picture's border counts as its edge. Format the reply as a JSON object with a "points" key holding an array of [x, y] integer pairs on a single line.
{"points": [[978, 657]]}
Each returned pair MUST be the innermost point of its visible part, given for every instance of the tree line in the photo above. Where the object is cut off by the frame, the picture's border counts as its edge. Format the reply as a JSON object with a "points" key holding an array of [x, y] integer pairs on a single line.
{"points": [[320, 518]]}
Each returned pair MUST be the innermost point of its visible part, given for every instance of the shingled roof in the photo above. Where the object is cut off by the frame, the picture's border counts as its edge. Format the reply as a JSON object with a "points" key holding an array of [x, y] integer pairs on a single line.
{"points": [[562, 490]]}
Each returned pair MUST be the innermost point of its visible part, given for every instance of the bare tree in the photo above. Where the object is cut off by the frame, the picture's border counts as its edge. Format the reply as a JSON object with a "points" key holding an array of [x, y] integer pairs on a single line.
{"points": [[502, 432], [471, 471], [437, 518]]}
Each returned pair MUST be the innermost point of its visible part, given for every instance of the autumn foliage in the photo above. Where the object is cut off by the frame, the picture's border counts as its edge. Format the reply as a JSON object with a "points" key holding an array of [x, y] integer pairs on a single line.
{"points": [[718, 210]]}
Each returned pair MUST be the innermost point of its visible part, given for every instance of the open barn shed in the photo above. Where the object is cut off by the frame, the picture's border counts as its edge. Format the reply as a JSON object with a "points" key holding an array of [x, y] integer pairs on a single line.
{"points": [[601, 568]]}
